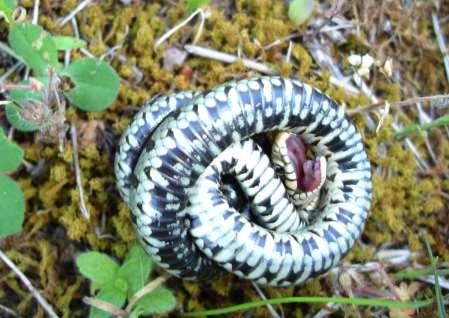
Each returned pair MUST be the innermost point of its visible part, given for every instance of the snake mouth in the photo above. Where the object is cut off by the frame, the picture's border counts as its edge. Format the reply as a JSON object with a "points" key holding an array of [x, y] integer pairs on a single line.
{"points": [[310, 174]]}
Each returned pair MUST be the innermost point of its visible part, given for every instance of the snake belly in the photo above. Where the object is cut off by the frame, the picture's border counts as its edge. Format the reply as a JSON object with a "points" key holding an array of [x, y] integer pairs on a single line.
{"points": [[175, 150]]}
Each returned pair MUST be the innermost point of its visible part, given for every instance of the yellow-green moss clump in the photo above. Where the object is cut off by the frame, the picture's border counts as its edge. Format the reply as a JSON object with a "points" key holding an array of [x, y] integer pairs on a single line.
{"points": [[406, 200]]}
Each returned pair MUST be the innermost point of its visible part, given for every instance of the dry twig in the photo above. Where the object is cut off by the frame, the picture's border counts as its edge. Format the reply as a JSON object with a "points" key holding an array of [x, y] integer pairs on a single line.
{"points": [[263, 297], [41, 300], [72, 14], [76, 163], [228, 58], [385, 113], [10, 71], [35, 12], [280, 41], [8, 311], [203, 14], [441, 43]]}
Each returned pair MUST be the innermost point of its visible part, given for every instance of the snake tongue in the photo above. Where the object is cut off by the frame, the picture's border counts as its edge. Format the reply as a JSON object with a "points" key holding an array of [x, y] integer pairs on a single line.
{"points": [[308, 172]]}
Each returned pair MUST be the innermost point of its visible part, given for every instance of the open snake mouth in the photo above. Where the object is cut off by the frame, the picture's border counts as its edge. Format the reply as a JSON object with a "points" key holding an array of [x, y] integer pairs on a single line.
{"points": [[309, 173]]}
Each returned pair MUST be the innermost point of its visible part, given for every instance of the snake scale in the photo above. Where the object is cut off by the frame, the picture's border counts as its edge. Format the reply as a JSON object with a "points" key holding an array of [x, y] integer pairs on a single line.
{"points": [[205, 197]]}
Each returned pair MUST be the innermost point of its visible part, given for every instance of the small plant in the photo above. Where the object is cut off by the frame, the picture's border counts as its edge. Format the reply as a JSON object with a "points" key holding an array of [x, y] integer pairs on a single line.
{"points": [[117, 285], [38, 103], [300, 10], [88, 83], [192, 5], [12, 204], [7, 9]]}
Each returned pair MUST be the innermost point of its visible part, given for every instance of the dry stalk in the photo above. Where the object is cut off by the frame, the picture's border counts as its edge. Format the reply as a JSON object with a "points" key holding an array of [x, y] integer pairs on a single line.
{"points": [[76, 164]]}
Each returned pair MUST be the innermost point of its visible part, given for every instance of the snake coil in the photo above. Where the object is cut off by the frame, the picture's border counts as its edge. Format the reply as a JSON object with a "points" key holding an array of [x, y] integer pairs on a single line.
{"points": [[170, 168]]}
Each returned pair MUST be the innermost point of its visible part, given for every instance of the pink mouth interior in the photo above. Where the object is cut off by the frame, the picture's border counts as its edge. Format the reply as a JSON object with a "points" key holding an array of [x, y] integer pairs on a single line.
{"points": [[308, 172]]}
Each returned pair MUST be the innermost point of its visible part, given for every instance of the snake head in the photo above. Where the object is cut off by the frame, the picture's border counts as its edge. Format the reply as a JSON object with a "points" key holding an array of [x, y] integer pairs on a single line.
{"points": [[310, 173]]}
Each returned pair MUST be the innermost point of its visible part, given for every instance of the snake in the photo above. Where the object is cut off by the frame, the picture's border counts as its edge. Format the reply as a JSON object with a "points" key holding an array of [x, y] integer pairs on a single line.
{"points": [[263, 177]]}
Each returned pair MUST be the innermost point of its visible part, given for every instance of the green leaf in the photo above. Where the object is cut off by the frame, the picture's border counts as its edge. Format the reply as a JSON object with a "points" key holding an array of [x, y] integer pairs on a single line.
{"points": [[159, 301], [111, 294], [68, 43], [15, 117], [34, 45], [96, 84], [134, 314], [192, 5], [7, 8], [11, 154], [300, 10], [26, 98], [121, 284], [98, 267], [136, 269], [12, 206]]}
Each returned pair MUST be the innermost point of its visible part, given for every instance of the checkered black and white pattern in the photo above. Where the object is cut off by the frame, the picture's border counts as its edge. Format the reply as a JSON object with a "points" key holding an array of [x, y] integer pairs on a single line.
{"points": [[170, 169]]}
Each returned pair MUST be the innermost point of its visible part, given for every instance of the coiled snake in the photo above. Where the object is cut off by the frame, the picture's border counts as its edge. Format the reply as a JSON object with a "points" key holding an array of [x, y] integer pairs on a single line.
{"points": [[203, 194]]}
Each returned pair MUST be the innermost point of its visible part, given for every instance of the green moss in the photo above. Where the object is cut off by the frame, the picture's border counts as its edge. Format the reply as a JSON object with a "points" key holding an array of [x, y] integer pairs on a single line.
{"points": [[389, 91], [77, 227], [355, 44], [304, 59], [397, 206]]}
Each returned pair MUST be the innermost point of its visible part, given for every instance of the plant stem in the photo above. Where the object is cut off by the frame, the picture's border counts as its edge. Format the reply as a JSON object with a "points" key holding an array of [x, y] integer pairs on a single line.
{"points": [[414, 128]]}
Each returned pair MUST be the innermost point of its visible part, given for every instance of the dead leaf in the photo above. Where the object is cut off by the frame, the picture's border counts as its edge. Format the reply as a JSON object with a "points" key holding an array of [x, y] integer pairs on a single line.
{"points": [[173, 57], [87, 132]]}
